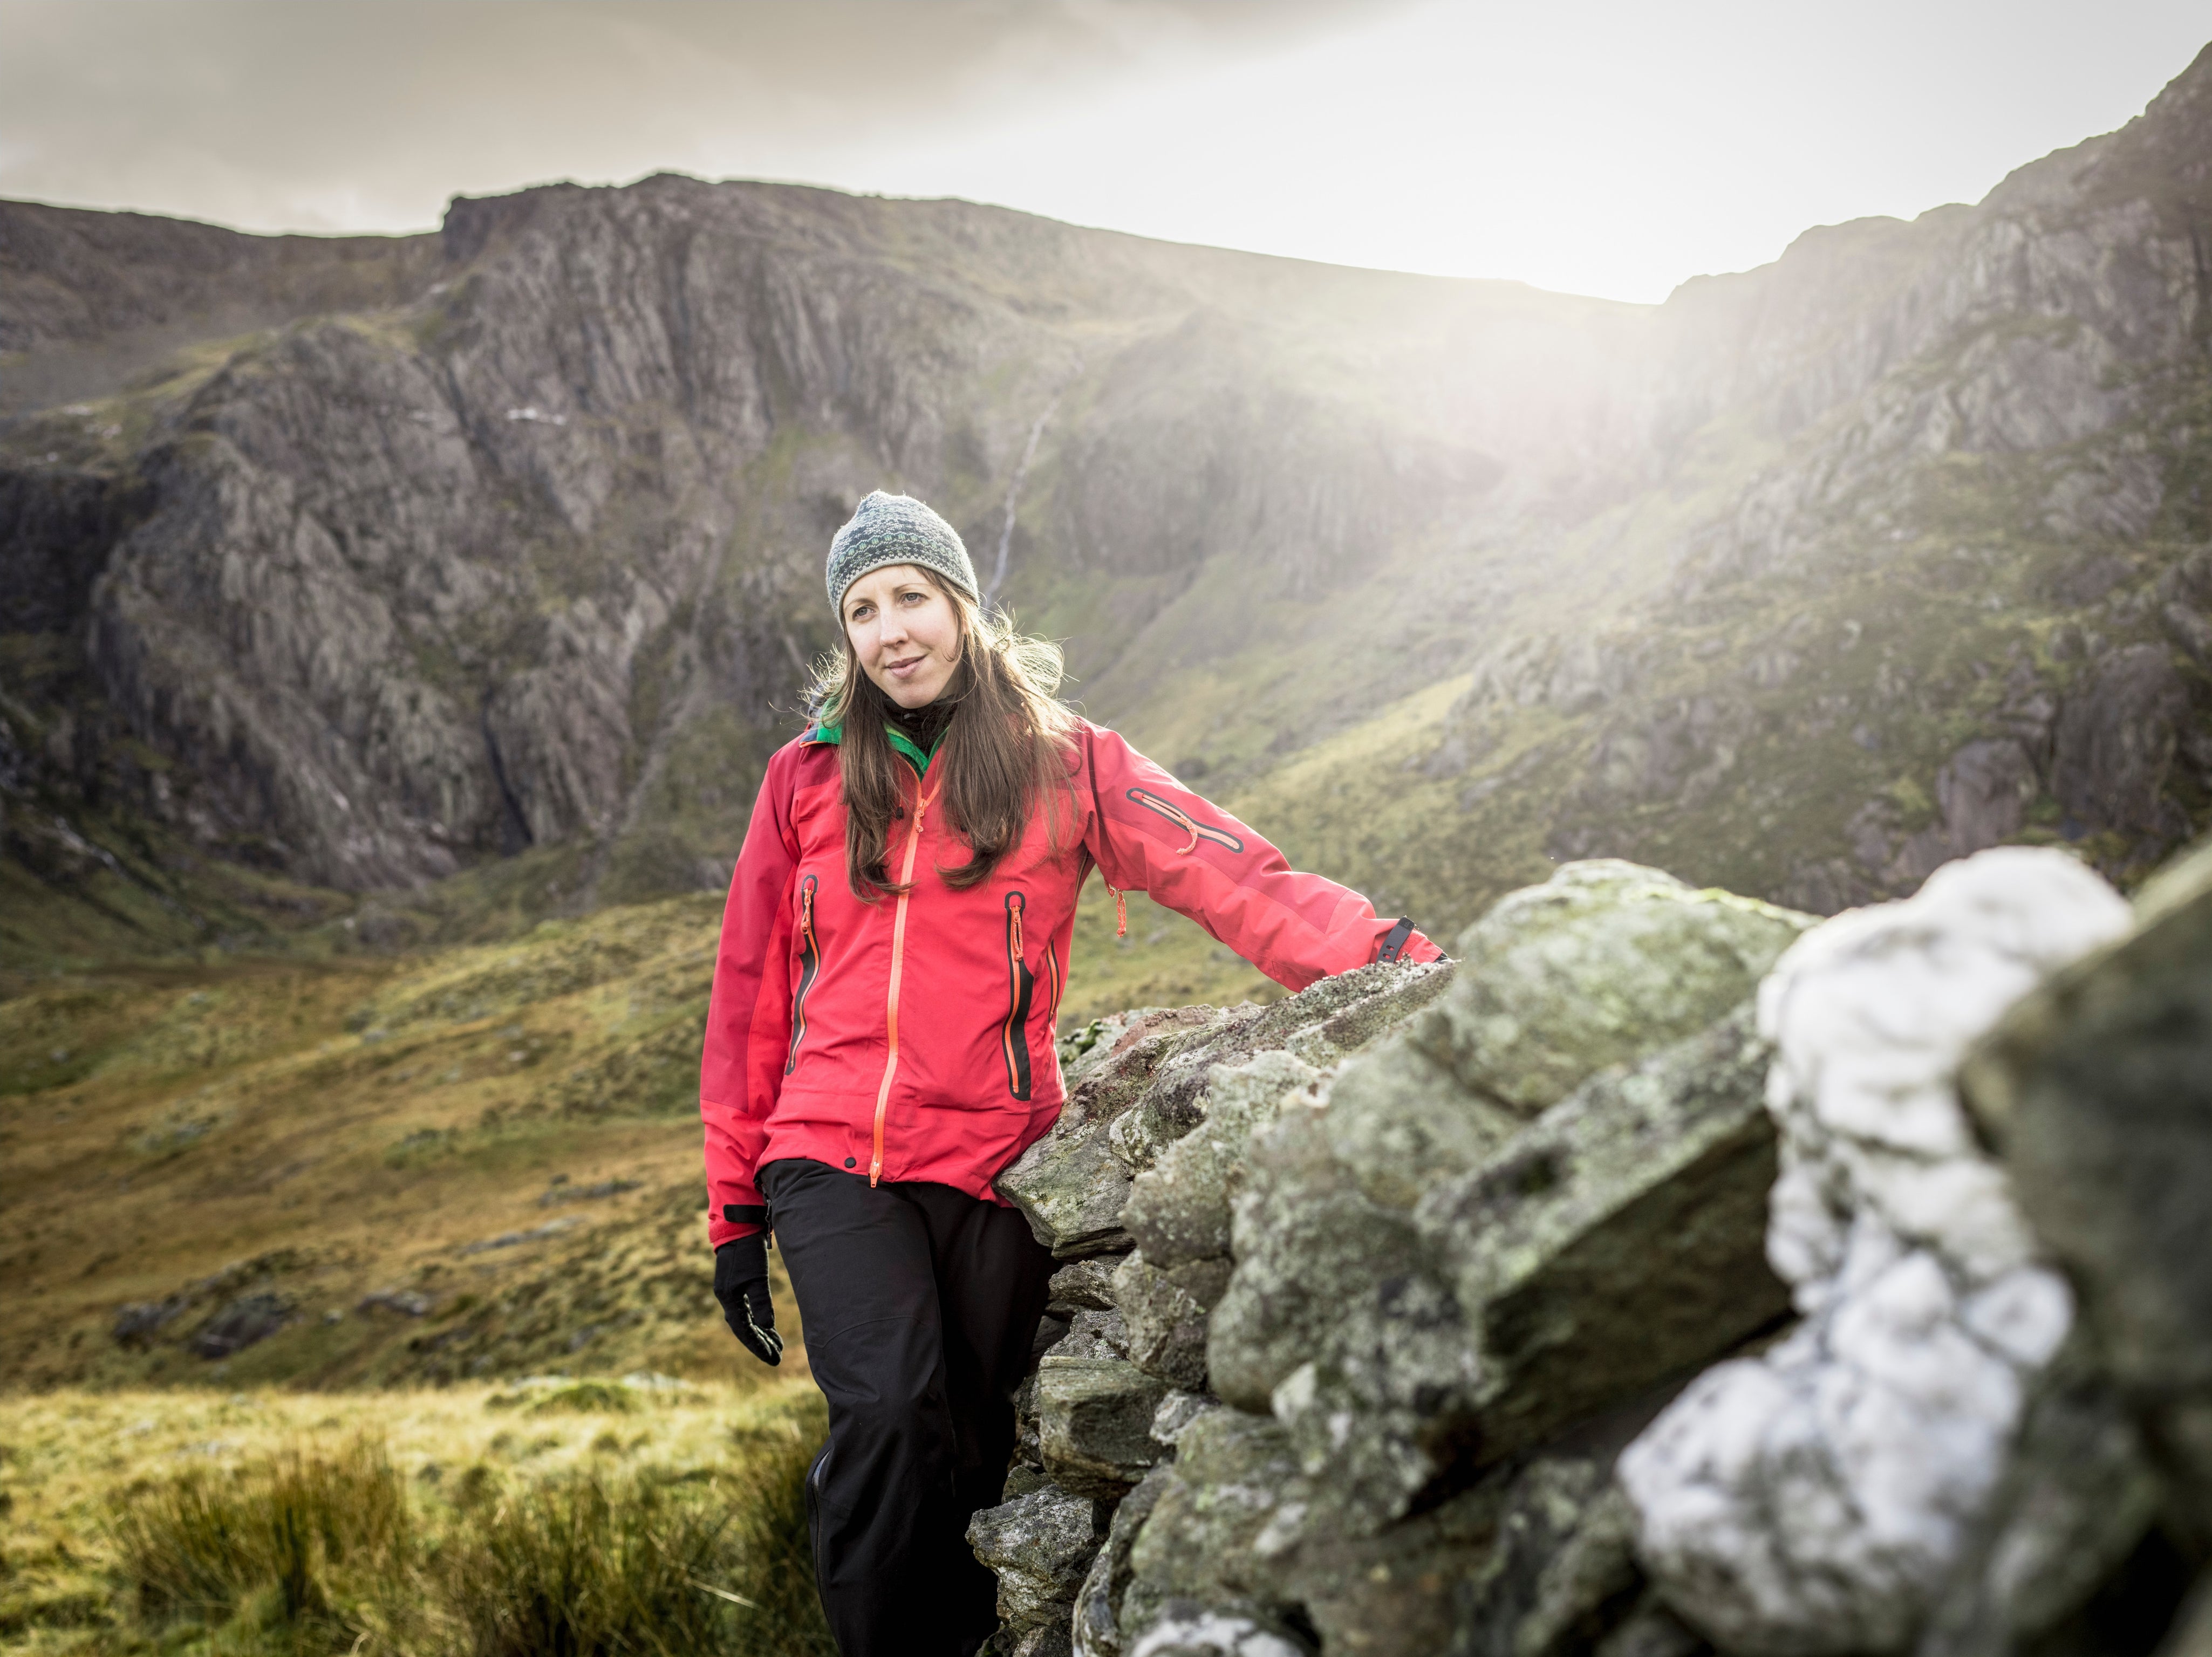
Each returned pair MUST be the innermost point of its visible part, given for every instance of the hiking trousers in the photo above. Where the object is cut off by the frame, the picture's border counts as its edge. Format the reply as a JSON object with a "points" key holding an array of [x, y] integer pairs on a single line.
{"points": [[918, 1304]]}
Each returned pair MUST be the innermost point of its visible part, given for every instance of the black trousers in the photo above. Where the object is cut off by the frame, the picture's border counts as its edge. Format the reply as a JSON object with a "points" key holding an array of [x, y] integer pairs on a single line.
{"points": [[918, 1304]]}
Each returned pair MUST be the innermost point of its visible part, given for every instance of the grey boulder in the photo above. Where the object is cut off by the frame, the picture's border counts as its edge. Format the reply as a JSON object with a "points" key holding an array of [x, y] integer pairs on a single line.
{"points": [[1040, 1546]]}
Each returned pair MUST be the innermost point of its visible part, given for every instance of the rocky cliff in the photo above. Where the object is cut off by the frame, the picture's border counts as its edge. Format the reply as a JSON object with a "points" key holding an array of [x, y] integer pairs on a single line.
{"points": [[1649, 1282], [352, 563]]}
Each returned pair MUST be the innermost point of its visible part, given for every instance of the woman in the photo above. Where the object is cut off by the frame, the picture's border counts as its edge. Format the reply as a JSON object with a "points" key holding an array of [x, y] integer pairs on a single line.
{"points": [[880, 1043]]}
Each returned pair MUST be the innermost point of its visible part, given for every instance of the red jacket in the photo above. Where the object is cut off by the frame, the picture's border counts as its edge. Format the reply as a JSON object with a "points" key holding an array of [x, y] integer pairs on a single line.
{"points": [[913, 1038]]}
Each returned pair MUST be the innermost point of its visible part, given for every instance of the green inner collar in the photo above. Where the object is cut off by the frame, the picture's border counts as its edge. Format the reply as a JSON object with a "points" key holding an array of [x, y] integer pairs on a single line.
{"points": [[914, 756]]}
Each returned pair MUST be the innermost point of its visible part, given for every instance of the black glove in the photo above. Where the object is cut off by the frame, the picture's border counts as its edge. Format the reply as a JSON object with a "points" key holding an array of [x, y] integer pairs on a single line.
{"points": [[741, 1285]]}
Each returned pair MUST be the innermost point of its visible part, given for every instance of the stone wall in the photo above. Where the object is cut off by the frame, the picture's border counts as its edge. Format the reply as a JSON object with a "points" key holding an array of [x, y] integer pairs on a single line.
{"points": [[1643, 1281]]}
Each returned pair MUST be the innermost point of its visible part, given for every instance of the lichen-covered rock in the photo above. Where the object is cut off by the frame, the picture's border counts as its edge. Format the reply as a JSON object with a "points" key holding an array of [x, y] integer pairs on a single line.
{"points": [[1144, 1085], [1192, 1630], [2076, 1497], [1084, 1284], [1814, 1500], [1315, 1027], [1562, 1569], [1213, 1533], [1603, 962], [1092, 1335], [1041, 1546], [1616, 1239], [1094, 1423], [1165, 1313], [1179, 1207], [1069, 1184], [1096, 1623], [2097, 1089], [1612, 1242], [1535, 1560], [1306, 1239]]}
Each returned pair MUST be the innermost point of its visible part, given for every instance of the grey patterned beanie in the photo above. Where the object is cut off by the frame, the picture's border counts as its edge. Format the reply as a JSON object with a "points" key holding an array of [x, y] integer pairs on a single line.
{"points": [[897, 529]]}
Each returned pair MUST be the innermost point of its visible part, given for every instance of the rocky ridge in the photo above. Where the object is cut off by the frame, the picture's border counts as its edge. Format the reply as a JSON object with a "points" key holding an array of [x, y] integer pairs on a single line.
{"points": [[1643, 1281], [355, 563]]}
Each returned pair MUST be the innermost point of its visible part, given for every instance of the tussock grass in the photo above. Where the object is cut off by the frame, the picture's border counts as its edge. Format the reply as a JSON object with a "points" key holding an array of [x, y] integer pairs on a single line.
{"points": [[409, 1523], [286, 1532], [589, 1567]]}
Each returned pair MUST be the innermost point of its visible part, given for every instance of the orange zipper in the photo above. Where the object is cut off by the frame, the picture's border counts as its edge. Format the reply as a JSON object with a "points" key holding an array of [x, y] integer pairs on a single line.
{"points": [[810, 969], [1014, 1033], [890, 1000]]}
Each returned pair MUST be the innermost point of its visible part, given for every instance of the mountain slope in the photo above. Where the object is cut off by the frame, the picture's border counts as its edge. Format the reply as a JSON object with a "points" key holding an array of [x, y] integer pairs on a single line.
{"points": [[428, 551]]}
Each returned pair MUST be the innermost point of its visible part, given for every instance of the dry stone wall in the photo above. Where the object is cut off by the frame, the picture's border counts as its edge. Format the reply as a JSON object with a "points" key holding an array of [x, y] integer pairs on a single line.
{"points": [[1638, 1284]]}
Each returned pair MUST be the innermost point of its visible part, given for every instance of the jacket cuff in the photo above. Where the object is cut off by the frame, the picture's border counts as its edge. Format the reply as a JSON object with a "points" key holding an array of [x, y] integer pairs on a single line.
{"points": [[727, 1222]]}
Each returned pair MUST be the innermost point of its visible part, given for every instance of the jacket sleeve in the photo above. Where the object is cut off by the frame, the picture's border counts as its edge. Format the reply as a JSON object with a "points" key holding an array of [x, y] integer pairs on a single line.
{"points": [[1149, 834], [748, 1014]]}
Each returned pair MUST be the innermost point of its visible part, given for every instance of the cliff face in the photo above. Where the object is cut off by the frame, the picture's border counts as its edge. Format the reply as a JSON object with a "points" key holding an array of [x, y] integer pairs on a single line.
{"points": [[361, 561]]}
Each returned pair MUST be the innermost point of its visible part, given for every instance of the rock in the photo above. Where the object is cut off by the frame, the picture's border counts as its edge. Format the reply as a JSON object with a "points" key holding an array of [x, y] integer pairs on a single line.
{"points": [[1095, 1419], [1179, 1208], [1815, 1499], [1236, 1532], [2077, 1497], [1315, 1027], [1086, 1284], [1069, 1184], [1040, 1546], [1562, 1571], [1052, 1329], [239, 1324], [1095, 1621], [1165, 1313], [1092, 1335], [2097, 1090], [1029, 1449], [1145, 1085], [1402, 1222], [1615, 1241], [1306, 1238], [1205, 1548], [1178, 1411], [1190, 1631], [1983, 791], [2116, 739], [1605, 960], [2192, 1628]]}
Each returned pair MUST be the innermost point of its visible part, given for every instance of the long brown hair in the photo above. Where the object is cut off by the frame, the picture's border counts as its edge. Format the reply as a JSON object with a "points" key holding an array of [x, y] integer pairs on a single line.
{"points": [[1004, 757]]}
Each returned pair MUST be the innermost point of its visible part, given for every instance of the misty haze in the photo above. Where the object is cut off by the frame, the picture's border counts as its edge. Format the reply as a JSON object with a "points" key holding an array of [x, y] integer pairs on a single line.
{"points": [[1781, 1223]]}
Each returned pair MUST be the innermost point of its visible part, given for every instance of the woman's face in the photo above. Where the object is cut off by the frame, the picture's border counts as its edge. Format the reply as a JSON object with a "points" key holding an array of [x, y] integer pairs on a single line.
{"points": [[905, 632]]}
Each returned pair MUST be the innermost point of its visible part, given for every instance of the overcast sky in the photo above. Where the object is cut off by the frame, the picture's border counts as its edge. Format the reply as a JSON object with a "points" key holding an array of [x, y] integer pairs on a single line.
{"points": [[1609, 147]]}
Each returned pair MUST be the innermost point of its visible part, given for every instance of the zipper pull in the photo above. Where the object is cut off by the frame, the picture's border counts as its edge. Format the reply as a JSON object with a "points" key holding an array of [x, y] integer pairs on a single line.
{"points": [[1015, 909], [1121, 911]]}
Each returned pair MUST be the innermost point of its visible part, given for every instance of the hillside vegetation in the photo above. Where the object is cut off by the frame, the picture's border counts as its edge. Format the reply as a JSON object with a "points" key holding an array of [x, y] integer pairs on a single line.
{"points": [[410, 557], [393, 632]]}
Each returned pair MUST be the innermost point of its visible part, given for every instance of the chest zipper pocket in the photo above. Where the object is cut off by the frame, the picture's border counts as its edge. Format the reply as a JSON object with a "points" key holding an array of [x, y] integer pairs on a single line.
{"points": [[810, 969], [1014, 1035]]}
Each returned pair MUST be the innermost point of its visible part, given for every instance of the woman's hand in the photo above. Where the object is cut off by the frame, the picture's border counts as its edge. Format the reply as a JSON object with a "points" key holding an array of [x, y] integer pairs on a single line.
{"points": [[741, 1285]]}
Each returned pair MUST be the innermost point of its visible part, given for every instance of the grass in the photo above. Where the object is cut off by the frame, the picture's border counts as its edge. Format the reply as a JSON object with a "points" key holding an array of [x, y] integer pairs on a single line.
{"points": [[410, 1522], [464, 1163]]}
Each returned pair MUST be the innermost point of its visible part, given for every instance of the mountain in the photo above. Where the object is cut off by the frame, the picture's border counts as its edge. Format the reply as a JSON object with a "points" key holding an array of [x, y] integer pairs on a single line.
{"points": [[336, 567]]}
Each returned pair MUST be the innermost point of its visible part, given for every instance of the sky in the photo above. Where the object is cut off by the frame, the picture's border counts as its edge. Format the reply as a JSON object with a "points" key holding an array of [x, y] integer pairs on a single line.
{"points": [[1613, 148]]}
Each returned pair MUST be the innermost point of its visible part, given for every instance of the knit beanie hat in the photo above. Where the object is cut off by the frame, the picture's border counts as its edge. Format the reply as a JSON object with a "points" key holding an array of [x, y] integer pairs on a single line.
{"points": [[897, 529]]}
